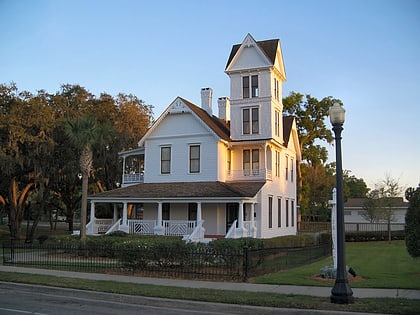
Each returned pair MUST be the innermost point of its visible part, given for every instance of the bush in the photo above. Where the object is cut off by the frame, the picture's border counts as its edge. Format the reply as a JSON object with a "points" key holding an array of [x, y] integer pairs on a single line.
{"points": [[372, 236], [289, 241], [412, 223]]}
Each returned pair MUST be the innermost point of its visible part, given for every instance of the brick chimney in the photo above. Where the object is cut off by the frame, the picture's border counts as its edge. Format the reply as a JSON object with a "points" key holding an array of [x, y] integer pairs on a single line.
{"points": [[224, 108], [206, 100]]}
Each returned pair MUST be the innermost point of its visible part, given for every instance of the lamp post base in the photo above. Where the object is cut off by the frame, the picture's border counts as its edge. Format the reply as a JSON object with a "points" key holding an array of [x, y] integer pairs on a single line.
{"points": [[341, 293]]}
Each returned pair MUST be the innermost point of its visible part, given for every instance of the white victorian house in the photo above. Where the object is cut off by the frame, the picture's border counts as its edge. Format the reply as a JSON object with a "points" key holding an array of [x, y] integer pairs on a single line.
{"points": [[200, 176]]}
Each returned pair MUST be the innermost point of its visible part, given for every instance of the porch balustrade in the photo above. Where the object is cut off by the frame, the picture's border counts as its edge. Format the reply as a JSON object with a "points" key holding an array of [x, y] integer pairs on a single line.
{"points": [[251, 175], [100, 226], [179, 227], [144, 227], [133, 178]]}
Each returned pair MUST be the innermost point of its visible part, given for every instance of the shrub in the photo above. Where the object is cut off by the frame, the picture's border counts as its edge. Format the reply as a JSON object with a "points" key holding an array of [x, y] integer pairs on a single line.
{"points": [[289, 241], [412, 223], [373, 236]]}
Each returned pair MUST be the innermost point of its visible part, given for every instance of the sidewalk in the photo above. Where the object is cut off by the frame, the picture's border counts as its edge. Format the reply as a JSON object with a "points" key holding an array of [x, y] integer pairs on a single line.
{"points": [[231, 286]]}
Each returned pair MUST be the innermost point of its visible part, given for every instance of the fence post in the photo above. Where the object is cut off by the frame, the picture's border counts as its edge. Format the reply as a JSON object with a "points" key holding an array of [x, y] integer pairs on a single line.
{"points": [[245, 263]]}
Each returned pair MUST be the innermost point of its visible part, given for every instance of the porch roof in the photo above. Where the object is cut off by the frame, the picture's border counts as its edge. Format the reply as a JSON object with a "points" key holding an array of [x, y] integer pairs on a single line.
{"points": [[182, 190]]}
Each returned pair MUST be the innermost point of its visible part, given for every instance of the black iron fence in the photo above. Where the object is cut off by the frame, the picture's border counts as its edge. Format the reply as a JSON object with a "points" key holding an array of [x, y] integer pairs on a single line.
{"points": [[187, 263]]}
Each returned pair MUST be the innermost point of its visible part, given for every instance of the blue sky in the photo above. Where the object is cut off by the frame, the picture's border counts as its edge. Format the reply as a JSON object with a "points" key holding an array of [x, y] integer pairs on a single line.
{"points": [[364, 52]]}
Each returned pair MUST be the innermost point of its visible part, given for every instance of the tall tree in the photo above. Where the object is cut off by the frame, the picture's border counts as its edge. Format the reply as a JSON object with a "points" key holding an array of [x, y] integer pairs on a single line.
{"points": [[384, 199], [84, 133], [310, 114]]}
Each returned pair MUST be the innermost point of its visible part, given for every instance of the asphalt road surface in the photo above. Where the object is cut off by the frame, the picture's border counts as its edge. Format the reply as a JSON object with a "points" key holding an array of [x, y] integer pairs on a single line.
{"points": [[42, 300]]}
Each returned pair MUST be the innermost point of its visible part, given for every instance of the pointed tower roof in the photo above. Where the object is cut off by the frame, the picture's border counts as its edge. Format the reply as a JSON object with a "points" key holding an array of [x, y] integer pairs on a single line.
{"points": [[269, 49]]}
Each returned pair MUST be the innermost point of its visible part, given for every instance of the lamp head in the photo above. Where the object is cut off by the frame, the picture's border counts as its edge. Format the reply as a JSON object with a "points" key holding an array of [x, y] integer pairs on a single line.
{"points": [[336, 113]]}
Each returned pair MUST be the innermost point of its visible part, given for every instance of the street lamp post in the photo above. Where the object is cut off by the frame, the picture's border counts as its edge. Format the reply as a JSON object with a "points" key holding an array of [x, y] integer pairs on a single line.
{"points": [[341, 293]]}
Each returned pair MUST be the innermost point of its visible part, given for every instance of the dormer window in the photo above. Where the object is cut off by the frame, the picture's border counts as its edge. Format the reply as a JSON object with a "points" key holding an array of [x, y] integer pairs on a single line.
{"points": [[250, 81]]}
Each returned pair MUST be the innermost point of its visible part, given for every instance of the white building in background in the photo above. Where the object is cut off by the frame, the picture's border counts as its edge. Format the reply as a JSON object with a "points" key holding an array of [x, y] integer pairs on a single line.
{"points": [[201, 176]]}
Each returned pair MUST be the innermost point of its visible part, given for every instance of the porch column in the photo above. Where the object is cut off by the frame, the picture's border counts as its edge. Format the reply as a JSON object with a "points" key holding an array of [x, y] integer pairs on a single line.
{"points": [[90, 227], [115, 216], [241, 231], [158, 229], [124, 225], [253, 227], [200, 221], [92, 211], [123, 171], [198, 212]]}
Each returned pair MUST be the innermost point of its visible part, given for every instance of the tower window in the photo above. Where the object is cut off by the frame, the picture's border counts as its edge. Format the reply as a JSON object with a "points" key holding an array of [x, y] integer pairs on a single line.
{"points": [[247, 82], [250, 121]]}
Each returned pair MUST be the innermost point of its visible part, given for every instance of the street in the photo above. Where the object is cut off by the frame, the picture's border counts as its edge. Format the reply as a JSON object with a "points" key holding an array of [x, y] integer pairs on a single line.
{"points": [[42, 300]]}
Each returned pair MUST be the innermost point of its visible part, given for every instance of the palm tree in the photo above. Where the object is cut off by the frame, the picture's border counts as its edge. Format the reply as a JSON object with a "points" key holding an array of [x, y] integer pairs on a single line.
{"points": [[83, 133]]}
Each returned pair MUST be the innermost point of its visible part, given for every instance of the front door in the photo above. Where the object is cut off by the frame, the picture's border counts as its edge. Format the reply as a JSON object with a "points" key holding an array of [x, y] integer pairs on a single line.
{"points": [[231, 214]]}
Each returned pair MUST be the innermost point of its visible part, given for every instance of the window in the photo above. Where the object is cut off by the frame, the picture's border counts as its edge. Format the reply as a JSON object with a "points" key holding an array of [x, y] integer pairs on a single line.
{"points": [[276, 89], [254, 86], [166, 209], [165, 160], [277, 166], [246, 161], [194, 159], [245, 87], [192, 211], [255, 124], [279, 212], [251, 160], [292, 208], [250, 120], [287, 167], [245, 121], [255, 160], [277, 123], [270, 212], [291, 170], [287, 212]]}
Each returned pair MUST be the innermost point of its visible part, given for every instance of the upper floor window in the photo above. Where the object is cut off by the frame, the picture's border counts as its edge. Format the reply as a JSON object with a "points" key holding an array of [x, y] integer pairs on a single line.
{"points": [[287, 167], [247, 82], [277, 123], [229, 160], [277, 164], [165, 160], [250, 121], [194, 158], [276, 89], [251, 161], [291, 169]]}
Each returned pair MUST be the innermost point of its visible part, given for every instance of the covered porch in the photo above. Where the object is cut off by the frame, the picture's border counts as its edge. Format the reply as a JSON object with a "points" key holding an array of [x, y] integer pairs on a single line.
{"points": [[199, 211]]}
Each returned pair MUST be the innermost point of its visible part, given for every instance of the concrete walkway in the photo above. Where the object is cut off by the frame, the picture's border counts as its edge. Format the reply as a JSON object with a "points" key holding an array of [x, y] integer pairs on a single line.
{"points": [[231, 286]]}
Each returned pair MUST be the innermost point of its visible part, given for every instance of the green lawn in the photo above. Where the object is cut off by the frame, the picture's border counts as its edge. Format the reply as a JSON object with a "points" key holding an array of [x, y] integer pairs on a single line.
{"points": [[377, 264]]}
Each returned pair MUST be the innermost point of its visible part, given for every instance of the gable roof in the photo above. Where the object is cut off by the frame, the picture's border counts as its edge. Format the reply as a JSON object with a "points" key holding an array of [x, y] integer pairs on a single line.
{"points": [[182, 190], [215, 124], [219, 126], [268, 47], [287, 128]]}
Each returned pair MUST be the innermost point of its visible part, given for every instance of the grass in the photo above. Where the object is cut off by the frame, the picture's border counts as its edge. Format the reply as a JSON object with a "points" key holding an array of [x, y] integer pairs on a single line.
{"points": [[377, 264], [382, 305]]}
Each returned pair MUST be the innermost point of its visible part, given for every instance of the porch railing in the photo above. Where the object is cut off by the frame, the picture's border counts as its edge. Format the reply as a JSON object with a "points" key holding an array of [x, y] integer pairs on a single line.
{"points": [[178, 227], [144, 227], [133, 178], [99, 226], [244, 175]]}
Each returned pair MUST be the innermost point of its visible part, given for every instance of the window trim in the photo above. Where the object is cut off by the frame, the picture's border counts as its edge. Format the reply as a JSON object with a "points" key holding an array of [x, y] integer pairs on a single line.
{"points": [[190, 159], [251, 120], [169, 160]]}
